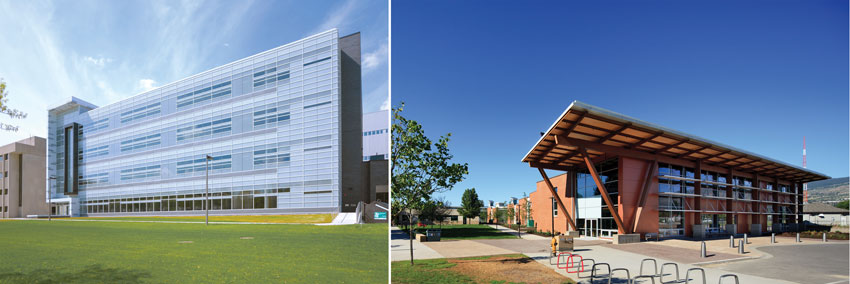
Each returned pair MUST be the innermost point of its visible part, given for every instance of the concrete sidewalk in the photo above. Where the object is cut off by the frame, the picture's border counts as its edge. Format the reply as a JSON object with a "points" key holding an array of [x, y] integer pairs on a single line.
{"points": [[631, 261], [400, 247], [514, 232]]}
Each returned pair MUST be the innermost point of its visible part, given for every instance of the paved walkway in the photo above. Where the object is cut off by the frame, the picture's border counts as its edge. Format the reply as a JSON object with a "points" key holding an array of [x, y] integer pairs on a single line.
{"points": [[342, 219], [631, 261], [400, 247], [466, 248], [514, 232], [812, 263]]}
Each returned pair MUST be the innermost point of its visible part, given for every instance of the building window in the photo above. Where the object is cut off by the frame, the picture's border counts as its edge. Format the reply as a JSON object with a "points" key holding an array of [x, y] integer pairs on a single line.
{"points": [[140, 112], [554, 207], [139, 143]]}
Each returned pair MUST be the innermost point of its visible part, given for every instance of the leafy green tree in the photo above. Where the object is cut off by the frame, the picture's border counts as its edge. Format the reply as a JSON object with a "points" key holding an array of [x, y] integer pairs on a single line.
{"points": [[470, 206], [5, 109], [428, 212], [442, 210], [526, 208], [843, 204], [511, 214], [419, 167], [500, 215]]}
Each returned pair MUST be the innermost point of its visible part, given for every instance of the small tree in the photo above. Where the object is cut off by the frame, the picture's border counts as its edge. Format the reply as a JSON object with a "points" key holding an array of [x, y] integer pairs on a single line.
{"points": [[442, 210], [5, 109], [500, 215], [428, 212], [511, 214], [470, 206], [527, 208], [419, 167]]}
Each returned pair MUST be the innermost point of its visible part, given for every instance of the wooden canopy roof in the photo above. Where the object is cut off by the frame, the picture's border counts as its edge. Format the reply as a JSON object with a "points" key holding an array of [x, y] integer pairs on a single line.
{"points": [[602, 132]]}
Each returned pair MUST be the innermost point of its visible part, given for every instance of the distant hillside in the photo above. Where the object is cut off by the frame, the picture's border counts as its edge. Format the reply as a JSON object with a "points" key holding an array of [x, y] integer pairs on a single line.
{"points": [[835, 189]]}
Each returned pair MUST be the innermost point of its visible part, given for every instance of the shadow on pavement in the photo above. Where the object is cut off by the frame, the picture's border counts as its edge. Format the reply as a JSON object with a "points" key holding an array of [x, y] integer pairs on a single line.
{"points": [[89, 274]]}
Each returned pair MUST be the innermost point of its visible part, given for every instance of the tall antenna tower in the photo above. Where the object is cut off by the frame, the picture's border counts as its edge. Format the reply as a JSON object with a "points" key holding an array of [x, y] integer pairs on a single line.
{"points": [[805, 186]]}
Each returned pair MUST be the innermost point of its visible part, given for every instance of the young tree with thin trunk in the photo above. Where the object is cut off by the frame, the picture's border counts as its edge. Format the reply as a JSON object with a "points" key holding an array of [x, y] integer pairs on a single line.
{"points": [[419, 167], [511, 214], [5, 109]]}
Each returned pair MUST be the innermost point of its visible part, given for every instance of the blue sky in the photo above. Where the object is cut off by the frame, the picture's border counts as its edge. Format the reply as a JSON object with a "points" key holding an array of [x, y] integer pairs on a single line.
{"points": [[757, 75], [105, 51]]}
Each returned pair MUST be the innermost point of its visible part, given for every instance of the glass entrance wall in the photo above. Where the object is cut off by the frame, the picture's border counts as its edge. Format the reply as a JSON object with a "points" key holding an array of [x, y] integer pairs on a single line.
{"points": [[671, 223], [714, 223], [599, 216]]}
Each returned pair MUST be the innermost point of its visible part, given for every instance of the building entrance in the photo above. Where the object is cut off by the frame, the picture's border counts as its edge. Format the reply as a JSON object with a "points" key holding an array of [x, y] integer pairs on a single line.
{"points": [[591, 228]]}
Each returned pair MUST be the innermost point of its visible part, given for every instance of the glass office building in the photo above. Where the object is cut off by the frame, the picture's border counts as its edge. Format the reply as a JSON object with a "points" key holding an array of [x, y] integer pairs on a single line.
{"points": [[277, 132]]}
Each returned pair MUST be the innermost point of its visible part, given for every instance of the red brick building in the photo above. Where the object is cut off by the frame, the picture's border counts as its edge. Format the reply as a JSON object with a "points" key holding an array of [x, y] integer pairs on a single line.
{"points": [[650, 179]]}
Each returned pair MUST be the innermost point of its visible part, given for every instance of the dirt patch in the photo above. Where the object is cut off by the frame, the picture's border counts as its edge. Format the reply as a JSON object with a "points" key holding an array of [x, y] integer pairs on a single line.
{"points": [[507, 269]]}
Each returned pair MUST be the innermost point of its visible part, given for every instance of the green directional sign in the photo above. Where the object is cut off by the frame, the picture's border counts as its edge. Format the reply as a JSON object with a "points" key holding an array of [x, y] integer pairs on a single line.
{"points": [[380, 215]]}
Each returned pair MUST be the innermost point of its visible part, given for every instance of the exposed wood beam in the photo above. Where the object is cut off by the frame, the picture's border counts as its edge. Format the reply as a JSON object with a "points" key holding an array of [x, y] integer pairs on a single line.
{"points": [[615, 132], [567, 157], [671, 146], [620, 151], [644, 140], [606, 130], [716, 155], [692, 151], [590, 168], [550, 166], [558, 200], [638, 128], [647, 181], [568, 130]]}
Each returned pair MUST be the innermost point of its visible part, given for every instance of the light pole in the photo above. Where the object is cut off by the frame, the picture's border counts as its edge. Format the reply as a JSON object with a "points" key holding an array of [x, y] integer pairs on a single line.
{"points": [[49, 199], [207, 194]]}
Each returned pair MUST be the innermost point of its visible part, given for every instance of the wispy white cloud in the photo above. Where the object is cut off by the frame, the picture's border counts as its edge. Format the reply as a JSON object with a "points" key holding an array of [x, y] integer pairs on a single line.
{"points": [[373, 59], [99, 61], [377, 98], [338, 18], [44, 64], [146, 85], [386, 104]]}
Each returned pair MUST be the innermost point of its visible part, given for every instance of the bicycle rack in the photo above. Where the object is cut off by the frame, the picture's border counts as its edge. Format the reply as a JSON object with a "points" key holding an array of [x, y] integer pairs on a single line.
{"points": [[582, 263], [593, 273], [571, 263], [558, 264], [661, 275], [688, 275], [654, 268], [726, 275], [628, 275], [652, 278]]}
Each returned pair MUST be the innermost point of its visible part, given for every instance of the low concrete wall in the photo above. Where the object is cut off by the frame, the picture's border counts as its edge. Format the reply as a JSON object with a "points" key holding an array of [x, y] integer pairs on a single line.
{"points": [[626, 239], [699, 231], [732, 228], [755, 230]]}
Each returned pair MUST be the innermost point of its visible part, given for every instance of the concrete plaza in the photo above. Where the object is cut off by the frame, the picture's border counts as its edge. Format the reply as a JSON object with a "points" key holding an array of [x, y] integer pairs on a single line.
{"points": [[786, 261]]}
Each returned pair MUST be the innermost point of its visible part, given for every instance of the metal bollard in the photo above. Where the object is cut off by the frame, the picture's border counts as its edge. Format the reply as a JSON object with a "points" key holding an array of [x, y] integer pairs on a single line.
{"points": [[773, 238], [824, 237], [731, 241], [741, 246], [798, 237], [745, 239], [702, 250]]}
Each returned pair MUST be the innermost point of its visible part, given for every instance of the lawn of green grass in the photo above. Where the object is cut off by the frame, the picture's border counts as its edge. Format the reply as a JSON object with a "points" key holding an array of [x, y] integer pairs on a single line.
{"points": [[434, 271], [466, 232], [427, 271], [116, 252], [290, 219]]}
